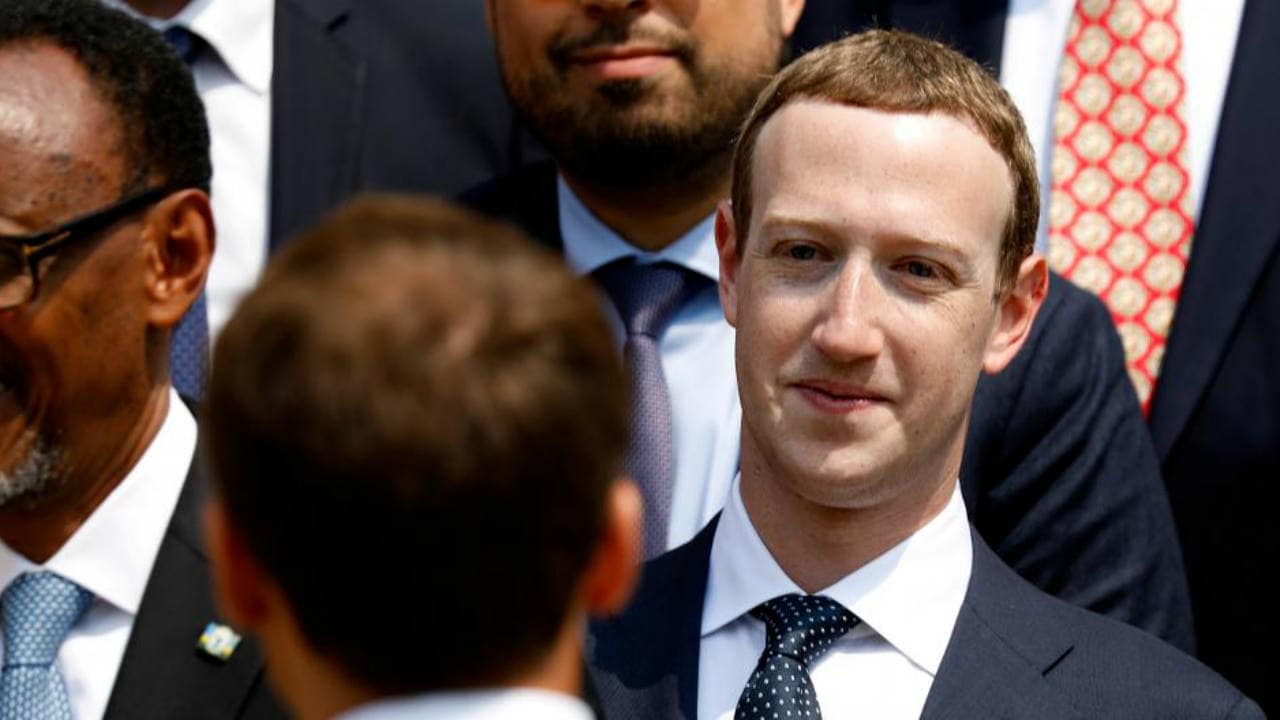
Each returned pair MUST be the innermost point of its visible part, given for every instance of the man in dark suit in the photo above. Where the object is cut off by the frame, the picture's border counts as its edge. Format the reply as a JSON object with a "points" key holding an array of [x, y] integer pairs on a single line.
{"points": [[311, 101], [1215, 410], [1059, 475], [876, 258], [105, 239], [484, 430]]}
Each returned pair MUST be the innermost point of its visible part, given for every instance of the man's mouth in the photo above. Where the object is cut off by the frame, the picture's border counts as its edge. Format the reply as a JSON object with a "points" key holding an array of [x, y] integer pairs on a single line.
{"points": [[837, 397], [622, 62]]}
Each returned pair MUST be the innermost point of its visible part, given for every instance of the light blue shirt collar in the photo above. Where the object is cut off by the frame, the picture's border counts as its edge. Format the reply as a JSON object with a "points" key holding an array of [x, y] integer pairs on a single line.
{"points": [[589, 244]]}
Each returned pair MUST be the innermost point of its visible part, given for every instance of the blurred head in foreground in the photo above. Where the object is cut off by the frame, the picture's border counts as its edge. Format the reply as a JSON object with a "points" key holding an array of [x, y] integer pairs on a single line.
{"points": [[416, 422]]}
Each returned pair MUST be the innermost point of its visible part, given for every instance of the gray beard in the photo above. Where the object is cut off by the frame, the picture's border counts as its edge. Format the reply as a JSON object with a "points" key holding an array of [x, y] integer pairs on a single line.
{"points": [[33, 475]]}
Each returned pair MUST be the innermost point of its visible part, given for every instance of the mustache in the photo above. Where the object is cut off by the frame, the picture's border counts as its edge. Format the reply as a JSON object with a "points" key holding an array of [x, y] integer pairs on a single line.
{"points": [[680, 45]]}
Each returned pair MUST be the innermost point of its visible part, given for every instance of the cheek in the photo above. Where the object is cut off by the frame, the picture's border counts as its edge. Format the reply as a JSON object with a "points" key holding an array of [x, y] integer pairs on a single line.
{"points": [[940, 349], [773, 329], [518, 38]]}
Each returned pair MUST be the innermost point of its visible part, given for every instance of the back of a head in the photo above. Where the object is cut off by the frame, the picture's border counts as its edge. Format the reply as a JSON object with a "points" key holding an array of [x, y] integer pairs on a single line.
{"points": [[414, 421], [137, 74]]}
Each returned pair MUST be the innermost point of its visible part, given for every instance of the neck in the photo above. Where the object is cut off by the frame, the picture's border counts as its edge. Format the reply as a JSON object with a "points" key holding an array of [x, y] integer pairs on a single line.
{"points": [[817, 544], [163, 9], [651, 218], [316, 688], [39, 528]]}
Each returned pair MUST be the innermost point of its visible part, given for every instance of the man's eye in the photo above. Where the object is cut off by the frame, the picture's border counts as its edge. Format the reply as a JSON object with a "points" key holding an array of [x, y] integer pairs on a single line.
{"points": [[920, 269], [802, 252]]}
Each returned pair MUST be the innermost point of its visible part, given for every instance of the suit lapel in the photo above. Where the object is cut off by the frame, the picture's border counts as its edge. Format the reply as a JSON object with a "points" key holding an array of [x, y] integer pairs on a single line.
{"points": [[1231, 246], [645, 663], [317, 108], [999, 652], [527, 198], [162, 674]]}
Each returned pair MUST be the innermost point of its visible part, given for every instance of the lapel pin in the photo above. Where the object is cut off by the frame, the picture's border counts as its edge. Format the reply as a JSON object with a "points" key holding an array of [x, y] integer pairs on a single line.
{"points": [[218, 641]]}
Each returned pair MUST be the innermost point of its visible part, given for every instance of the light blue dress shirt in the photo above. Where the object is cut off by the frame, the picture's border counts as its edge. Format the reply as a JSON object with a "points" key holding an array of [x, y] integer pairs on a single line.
{"points": [[697, 360]]}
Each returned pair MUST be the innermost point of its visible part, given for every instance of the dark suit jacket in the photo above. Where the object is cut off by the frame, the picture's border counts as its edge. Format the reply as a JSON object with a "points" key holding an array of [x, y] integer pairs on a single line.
{"points": [[1014, 653], [1215, 416], [1059, 474], [162, 675], [382, 95]]}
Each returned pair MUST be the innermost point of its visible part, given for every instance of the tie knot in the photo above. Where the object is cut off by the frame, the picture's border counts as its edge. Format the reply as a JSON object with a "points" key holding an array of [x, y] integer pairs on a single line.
{"points": [[802, 627], [184, 42], [39, 609], [646, 295]]}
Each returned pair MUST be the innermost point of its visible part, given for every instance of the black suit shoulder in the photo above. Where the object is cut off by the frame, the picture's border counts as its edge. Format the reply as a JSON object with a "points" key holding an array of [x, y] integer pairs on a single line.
{"points": [[643, 663], [525, 198], [384, 95], [162, 674], [1070, 662]]}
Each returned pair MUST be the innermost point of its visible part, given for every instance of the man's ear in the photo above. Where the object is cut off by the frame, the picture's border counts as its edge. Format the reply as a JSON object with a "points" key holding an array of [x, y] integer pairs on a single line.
{"points": [[181, 240], [615, 567], [730, 261], [1015, 314], [239, 583], [790, 11]]}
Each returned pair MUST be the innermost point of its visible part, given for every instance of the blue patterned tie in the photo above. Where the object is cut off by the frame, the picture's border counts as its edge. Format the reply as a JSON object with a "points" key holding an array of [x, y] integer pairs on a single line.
{"points": [[39, 609], [189, 346], [646, 297], [799, 629]]}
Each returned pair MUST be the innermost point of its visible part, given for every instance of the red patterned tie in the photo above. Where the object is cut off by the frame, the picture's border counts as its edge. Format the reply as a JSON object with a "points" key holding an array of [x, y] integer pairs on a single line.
{"points": [[1120, 217]]}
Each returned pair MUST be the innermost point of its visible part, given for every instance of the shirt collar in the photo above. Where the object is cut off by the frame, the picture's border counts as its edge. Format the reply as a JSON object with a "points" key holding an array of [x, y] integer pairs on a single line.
{"points": [[476, 705], [111, 554], [241, 31], [589, 244], [910, 595]]}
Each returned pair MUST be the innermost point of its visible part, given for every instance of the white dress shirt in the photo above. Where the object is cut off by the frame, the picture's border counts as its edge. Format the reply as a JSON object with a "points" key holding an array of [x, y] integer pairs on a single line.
{"points": [[500, 704], [907, 599], [697, 360], [1034, 37], [235, 84], [111, 555]]}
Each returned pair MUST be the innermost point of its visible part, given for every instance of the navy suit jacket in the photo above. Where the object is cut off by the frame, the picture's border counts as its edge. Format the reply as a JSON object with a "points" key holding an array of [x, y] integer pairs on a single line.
{"points": [[1215, 415], [162, 675], [1059, 474], [383, 95], [1015, 652]]}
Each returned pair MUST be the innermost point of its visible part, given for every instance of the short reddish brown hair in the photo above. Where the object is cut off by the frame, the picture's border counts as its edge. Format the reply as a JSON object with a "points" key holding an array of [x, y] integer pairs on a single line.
{"points": [[898, 72], [414, 421]]}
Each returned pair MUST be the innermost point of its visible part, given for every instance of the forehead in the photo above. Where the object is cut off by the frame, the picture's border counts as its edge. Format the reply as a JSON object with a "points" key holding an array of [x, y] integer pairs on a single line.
{"points": [[923, 175], [59, 141]]}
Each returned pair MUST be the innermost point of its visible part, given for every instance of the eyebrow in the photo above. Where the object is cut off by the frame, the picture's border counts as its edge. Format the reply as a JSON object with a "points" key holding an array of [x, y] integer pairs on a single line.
{"points": [[933, 244]]}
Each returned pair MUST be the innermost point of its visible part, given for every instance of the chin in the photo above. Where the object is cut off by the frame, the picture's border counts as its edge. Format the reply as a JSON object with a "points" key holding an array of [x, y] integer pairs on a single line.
{"points": [[29, 466], [851, 476]]}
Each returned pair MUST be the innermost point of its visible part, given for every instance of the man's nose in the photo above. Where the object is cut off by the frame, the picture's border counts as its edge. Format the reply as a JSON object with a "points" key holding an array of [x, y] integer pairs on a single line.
{"points": [[849, 327], [597, 9]]}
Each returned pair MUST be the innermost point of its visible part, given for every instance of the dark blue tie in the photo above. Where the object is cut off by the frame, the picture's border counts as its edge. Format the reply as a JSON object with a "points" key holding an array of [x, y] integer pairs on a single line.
{"points": [[646, 296], [799, 629], [189, 346]]}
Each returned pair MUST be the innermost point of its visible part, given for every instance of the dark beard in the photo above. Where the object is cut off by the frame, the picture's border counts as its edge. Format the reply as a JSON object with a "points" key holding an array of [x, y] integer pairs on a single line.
{"points": [[625, 139]]}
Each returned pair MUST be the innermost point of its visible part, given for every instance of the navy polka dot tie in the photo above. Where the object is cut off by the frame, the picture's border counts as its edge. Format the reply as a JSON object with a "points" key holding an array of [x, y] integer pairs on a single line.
{"points": [[799, 629], [647, 296], [38, 609]]}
